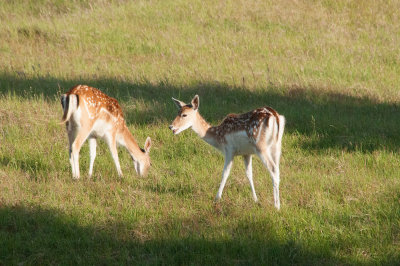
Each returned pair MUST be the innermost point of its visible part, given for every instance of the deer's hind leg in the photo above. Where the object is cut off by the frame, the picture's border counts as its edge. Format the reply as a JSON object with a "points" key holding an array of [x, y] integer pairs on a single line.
{"points": [[72, 132], [249, 173], [272, 164], [76, 140]]}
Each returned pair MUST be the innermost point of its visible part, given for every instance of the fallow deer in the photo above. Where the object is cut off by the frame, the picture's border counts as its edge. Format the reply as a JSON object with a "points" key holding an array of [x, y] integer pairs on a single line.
{"points": [[91, 114], [256, 132]]}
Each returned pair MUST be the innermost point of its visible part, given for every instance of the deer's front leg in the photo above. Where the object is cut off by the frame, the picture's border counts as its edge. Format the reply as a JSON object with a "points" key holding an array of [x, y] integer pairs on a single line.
{"points": [[112, 145], [225, 174], [92, 148]]}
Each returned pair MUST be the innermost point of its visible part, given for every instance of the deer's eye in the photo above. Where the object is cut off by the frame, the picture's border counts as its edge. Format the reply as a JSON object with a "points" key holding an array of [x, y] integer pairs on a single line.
{"points": [[184, 115]]}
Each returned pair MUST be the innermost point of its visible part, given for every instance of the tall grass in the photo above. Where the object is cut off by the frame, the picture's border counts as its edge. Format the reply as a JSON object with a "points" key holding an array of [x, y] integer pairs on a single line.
{"points": [[331, 67]]}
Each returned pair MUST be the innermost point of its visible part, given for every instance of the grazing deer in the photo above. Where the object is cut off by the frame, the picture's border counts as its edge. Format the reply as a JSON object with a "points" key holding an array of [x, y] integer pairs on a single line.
{"points": [[256, 132], [91, 114]]}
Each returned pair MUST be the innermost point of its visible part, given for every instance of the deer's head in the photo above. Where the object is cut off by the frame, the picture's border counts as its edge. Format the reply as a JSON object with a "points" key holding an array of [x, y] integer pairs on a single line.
{"points": [[142, 165], [186, 115]]}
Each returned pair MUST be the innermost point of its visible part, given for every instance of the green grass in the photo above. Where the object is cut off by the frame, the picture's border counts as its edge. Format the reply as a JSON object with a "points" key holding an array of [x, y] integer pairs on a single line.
{"points": [[331, 67]]}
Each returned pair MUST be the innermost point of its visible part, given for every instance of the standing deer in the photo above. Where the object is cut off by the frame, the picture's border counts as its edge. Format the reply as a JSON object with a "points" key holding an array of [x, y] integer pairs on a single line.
{"points": [[256, 132], [91, 114]]}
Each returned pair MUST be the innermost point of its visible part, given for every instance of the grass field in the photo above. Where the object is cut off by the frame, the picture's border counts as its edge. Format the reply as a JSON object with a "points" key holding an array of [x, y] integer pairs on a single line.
{"points": [[331, 67]]}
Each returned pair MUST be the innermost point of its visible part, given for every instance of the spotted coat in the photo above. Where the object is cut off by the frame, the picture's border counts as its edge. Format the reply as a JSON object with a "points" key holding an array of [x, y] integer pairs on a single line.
{"points": [[96, 101], [250, 122]]}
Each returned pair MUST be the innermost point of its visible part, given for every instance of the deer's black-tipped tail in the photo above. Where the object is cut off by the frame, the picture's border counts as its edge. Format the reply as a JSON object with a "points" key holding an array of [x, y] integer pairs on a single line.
{"points": [[69, 104]]}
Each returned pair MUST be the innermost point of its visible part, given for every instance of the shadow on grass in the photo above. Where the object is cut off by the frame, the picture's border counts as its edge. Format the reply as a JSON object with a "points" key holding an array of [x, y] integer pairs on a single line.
{"points": [[36, 236], [326, 120]]}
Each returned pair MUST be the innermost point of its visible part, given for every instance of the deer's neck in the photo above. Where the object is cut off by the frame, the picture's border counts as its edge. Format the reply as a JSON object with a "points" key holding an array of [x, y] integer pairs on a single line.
{"points": [[202, 128], [131, 145]]}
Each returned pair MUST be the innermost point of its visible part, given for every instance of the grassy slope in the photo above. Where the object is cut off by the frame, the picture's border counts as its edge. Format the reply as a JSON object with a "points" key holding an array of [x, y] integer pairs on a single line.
{"points": [[331, 67]]}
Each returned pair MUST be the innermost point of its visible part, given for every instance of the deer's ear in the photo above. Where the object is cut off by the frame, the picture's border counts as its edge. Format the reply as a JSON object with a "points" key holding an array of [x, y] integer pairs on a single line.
{"points": [[195, 102], [147, 145], [178, 103]]}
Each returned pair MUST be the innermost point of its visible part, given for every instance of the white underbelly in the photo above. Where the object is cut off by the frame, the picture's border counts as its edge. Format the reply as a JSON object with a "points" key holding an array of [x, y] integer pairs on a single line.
{"points": [[100, 128], [239, 143]]}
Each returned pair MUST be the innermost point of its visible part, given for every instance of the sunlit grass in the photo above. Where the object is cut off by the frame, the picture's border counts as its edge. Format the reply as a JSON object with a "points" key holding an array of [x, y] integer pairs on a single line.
{"points": [[331, 67]]}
